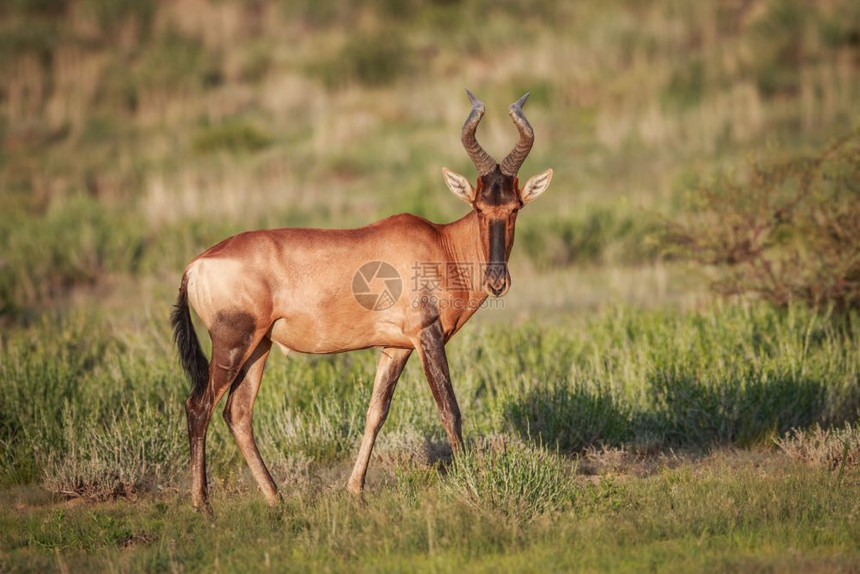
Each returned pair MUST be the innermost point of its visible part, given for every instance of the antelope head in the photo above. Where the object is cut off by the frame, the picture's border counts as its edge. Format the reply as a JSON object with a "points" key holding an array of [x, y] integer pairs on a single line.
{"points": [[497, 197]]}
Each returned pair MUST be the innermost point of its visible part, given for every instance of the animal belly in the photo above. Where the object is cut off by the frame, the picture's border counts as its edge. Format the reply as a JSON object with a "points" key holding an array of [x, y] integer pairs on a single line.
{"points": [[308, 335]]}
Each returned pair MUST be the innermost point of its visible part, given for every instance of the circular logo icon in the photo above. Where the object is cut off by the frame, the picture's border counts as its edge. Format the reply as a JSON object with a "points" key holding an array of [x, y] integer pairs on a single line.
{"points": [[376, 286]]}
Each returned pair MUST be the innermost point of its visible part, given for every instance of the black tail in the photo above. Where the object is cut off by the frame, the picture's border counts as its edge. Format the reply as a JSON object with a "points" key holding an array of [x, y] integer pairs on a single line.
{"points": [[191, 356]]}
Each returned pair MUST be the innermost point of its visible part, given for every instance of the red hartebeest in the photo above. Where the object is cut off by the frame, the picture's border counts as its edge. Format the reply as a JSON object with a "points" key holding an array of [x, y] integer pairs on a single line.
{"points": [[293, 287]]}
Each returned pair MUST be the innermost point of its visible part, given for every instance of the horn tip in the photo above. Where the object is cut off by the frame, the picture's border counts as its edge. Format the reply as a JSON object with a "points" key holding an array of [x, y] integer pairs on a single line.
{"points": [[519, 103], [473, 99]]}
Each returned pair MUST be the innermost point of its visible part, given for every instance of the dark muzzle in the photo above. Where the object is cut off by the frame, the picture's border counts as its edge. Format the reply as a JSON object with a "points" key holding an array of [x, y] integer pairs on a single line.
{"points": [[497, 280]]}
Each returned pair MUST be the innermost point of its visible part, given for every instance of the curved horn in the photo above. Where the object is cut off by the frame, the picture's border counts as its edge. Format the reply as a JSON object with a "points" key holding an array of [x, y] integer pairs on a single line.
{"points": [[511, 164], [479, 157]]}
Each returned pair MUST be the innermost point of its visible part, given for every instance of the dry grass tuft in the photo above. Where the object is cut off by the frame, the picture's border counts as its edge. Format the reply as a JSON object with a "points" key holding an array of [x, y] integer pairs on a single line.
{"points": [[834, 448]]}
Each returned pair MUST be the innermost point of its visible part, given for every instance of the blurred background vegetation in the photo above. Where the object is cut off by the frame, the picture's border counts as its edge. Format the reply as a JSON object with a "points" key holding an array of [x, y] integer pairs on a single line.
{"points": [[133, 134]]}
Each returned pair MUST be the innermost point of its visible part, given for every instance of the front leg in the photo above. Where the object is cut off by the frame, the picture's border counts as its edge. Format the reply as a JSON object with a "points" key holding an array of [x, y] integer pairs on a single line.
{"points": [[391, 364], [431, 350]]}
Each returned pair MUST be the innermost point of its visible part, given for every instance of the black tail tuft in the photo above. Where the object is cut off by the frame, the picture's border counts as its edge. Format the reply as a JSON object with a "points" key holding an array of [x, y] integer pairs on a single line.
{"points": [[191, 356]]}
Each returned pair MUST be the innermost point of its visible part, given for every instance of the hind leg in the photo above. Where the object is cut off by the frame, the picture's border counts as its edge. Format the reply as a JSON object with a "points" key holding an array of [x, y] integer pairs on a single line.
{"points": [[238, 414], [233, 340]]}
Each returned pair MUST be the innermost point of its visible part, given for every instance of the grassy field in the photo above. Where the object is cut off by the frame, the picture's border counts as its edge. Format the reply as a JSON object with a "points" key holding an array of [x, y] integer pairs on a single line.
{"points": [[638, 438], [618, 416], [726, 512]]}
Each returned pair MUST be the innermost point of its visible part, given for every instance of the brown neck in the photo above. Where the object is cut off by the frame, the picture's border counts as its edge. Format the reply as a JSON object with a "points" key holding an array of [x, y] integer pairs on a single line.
{"points": [[462, 240]]}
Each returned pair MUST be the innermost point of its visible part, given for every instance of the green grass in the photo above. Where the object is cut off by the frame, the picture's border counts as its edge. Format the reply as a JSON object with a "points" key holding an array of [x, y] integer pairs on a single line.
{"points": [[728, 511], [644, 380]]}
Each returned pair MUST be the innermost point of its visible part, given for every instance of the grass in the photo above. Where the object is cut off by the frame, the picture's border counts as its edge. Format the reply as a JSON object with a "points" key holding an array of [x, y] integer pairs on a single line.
{"points": [[721, 512], [835, 448], [616, 418], [687, 440], [623, 378]]}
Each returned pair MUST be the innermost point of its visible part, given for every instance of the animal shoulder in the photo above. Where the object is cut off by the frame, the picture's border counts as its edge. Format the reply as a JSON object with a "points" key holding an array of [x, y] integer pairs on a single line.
{"points": [[408, 223]]}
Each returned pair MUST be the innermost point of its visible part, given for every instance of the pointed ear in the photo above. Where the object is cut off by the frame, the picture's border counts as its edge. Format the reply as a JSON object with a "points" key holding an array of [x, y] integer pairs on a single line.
{"points": [[459, 185], [536, 186]]}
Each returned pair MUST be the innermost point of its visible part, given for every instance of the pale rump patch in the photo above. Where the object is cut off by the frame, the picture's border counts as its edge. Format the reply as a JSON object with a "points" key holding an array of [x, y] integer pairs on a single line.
{"points": [[211, 286]]}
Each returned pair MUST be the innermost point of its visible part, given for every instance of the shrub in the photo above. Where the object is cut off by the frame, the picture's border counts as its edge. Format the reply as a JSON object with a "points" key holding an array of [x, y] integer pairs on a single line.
{"points": [[790, 232]]}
